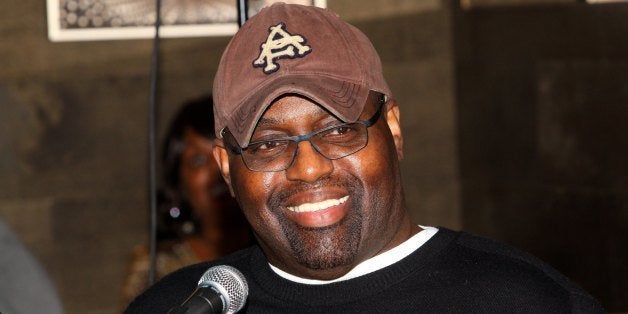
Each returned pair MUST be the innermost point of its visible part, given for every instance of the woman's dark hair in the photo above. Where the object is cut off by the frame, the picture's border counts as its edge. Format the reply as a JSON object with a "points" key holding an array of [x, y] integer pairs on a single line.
{"points": [[176, 217]]}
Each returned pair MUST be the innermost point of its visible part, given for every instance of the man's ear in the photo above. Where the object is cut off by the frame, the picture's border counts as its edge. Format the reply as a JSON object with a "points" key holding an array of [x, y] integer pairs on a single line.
{"points": [[222, 158], [394, 124]]}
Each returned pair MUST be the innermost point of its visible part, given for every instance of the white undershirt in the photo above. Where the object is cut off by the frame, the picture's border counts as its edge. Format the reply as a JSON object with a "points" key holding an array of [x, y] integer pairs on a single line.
{"points": [[374, 263]]}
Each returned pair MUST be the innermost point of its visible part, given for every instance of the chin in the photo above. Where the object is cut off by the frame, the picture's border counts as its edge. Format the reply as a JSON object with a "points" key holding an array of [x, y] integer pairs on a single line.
{"points": [[329, 248]]}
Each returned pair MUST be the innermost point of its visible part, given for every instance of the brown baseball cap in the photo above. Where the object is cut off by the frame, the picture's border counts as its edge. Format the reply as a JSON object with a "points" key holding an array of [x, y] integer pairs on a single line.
{"points": [[289, 48]]}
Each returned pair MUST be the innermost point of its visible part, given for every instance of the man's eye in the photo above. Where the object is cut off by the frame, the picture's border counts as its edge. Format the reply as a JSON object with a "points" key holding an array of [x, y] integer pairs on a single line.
{"points": [[340, 133], [340, 130], [267, 147]]}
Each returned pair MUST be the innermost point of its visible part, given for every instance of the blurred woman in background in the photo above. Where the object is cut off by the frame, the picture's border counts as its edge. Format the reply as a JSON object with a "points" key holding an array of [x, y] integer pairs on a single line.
{"points": [[198, 219]]}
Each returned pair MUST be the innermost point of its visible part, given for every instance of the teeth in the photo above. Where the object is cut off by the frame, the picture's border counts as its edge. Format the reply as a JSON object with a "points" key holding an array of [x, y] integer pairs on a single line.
{"points": [[312, 207]]}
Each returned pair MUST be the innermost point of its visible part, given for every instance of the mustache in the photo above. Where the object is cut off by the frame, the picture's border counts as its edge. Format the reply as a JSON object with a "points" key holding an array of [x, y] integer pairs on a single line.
{"points": [[280, 194]]}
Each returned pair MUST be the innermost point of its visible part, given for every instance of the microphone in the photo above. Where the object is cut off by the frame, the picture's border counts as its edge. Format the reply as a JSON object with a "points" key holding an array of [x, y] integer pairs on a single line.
{"points": [[221, 289]]}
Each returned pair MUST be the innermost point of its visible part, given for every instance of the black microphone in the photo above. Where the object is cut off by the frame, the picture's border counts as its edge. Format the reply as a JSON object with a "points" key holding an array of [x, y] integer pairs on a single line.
{"points": [[221, 289]]}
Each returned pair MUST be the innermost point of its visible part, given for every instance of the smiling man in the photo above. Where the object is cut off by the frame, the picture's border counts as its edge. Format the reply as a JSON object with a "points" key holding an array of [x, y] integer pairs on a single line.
{"points": [[323, 195], [309, 142]]}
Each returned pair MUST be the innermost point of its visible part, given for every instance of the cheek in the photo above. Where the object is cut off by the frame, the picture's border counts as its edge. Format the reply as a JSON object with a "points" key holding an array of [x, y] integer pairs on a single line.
{"points": [[252, 191], [375, 165], [194, 179], [197, 186]]}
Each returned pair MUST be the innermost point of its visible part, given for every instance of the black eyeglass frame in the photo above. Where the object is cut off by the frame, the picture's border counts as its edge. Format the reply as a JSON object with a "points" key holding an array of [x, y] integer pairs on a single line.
{"points": [[236, 149]]}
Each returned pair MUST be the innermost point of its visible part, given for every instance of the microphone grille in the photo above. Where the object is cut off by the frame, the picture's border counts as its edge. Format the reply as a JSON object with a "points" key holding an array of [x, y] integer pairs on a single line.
{"points": [[229, 280]]}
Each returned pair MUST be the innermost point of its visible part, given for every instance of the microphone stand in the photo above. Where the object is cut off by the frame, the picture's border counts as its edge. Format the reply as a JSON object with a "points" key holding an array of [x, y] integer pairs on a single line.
{"points": [[152, 146], [242, 6], [243, 12]]}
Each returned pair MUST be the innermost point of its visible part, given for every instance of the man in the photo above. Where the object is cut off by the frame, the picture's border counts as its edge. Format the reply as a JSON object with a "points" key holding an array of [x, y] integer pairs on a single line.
{"points": [[310, 144]]}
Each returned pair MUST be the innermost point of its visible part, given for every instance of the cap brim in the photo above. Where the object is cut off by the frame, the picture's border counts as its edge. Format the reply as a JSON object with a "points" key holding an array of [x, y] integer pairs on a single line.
{"points": [[343, 99]]}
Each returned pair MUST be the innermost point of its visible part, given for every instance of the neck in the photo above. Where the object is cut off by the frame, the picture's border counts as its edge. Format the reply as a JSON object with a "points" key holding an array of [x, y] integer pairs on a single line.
{"points": [[405, 231]]}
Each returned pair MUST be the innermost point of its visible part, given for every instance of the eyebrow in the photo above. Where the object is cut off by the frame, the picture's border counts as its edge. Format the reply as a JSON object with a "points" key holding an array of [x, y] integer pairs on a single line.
{"points": [[266, 121]]}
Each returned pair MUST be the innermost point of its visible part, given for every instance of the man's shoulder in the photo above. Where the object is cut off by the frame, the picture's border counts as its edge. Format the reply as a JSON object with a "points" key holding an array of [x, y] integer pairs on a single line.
{"points": [[500, 269], [174, 288], [471, 248], [237, 259], [498, 256]]}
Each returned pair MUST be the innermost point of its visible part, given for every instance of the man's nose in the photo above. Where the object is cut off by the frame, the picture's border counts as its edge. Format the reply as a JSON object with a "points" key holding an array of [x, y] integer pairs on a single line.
{"points": [[308, 165]]}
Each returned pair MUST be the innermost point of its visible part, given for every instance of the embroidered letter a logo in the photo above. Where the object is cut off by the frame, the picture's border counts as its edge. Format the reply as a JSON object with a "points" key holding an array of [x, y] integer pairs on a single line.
{"points": [[280, 44]]}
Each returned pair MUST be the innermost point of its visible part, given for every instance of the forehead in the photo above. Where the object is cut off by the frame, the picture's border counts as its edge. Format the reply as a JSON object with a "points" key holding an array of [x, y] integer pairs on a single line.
{"points": [[292, 108], [192, 137]]}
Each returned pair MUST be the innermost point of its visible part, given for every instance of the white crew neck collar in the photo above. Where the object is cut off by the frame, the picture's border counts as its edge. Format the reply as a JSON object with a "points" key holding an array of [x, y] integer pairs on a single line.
{"points": [[374, 263]]}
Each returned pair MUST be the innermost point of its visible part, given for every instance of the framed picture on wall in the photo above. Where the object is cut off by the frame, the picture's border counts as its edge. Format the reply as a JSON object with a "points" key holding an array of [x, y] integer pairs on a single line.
{"points": [[82, 20]]}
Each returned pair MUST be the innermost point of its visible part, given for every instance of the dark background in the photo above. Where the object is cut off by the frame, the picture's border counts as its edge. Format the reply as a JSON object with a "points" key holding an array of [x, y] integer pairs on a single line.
{"points": [[514, 116], [542, 99]]}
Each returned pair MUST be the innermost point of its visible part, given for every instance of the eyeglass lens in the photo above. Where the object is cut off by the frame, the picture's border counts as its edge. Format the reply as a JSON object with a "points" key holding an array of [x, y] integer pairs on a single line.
{"points": [[333, 143]]}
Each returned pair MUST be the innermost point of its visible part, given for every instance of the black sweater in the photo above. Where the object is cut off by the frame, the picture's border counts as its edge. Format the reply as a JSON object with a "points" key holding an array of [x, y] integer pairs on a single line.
{"points": [[453, 272]]}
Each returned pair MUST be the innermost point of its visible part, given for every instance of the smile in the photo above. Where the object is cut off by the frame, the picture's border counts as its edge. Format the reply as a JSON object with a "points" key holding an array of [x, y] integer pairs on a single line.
{"points": [[312, 207]]}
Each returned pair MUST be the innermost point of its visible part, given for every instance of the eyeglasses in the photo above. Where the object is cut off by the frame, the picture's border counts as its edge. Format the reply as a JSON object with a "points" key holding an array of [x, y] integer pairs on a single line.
{"points": [[333, 142]]}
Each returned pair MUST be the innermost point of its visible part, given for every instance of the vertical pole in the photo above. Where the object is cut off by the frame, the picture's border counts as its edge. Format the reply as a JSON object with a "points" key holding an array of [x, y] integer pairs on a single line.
{"points": [[152, 171], [243, 12]]}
